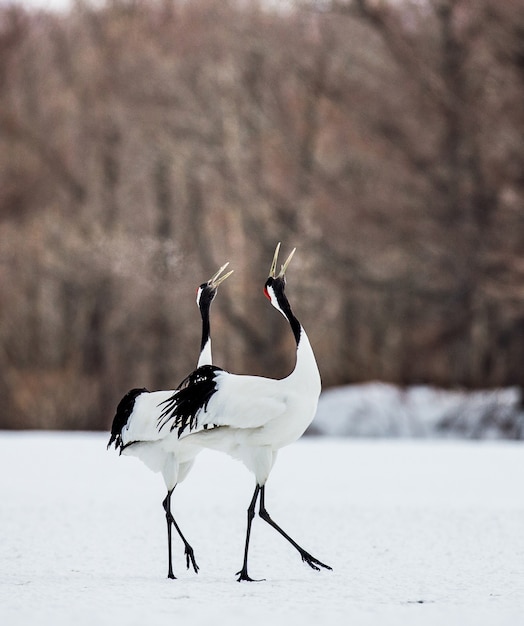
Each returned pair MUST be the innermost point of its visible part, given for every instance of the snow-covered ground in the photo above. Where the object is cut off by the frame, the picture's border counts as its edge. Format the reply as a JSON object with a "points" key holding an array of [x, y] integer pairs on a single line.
{"points": [[417, 532], [379, 409]]}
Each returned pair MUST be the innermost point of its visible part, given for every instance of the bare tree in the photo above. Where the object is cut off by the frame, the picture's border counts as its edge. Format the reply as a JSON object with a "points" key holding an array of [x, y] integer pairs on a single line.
{"points": [[143, 145]]}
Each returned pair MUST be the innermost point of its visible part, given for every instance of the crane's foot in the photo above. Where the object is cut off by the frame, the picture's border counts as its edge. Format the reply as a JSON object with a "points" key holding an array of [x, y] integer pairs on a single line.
{"points": [[190, 559], [313, 562], [243, 575]]}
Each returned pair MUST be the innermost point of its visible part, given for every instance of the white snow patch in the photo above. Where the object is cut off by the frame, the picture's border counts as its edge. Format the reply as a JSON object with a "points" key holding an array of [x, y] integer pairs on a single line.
{"points": [[417, 532], [382, 410]]}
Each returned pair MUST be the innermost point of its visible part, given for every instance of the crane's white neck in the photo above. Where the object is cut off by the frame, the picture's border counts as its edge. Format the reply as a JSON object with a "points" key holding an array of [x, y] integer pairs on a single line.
{"points": [[306, 369], [205, 357]]}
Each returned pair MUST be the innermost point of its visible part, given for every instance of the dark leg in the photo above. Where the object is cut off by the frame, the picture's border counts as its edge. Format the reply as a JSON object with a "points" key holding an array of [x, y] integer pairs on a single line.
{"points": [[167, 508], [190, 557], [242, 574], [306, 557]]}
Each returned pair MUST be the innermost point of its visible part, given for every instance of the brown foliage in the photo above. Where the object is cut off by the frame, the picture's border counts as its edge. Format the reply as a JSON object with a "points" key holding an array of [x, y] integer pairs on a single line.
{"points": [[143, 144]]}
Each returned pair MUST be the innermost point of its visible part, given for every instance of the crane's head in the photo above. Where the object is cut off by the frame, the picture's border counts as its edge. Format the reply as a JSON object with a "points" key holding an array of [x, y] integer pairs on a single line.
{"points": [[275, 283], [207, 291]]}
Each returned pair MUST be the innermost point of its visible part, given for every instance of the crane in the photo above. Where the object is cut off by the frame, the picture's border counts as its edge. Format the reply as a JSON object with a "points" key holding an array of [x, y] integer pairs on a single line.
{"points": [[134, 430], [251, 417]]}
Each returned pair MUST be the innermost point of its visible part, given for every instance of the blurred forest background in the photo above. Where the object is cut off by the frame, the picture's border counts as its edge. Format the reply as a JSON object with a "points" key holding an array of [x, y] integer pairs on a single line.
{"points": [[144, 143]]}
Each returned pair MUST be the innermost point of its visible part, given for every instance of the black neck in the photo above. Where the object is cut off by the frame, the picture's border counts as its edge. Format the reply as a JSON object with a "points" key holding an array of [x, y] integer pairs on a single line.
{"points": [[286, 309], [294, 323], [206, 326], [206, 298]]}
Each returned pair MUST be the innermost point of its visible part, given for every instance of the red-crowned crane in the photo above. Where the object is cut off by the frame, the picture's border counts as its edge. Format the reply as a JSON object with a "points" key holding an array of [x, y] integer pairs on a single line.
{"points": [[251, 417], [134, 431]]}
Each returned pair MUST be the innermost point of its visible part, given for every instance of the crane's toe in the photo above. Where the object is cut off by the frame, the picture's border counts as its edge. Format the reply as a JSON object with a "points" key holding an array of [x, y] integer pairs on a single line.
{"points": [[190, 559], [243, 575], [313, 562]]}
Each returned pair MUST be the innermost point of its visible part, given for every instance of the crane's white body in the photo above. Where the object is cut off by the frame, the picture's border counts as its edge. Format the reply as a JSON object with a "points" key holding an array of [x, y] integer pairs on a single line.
{"points": [[160, 451], [253, 417]]}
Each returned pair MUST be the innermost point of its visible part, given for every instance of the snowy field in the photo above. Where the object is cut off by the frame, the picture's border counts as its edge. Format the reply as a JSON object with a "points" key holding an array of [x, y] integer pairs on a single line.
{"points": [[417, 532]]}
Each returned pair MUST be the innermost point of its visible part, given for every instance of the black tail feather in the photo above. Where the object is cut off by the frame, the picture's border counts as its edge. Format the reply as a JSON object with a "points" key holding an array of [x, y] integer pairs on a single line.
{"points": [[123, 411]]}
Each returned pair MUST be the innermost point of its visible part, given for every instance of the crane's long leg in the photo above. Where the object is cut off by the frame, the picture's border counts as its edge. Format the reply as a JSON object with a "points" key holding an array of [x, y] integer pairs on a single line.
{"points": [[306, 557], [242, 574], [188, 550], [167, 508]]}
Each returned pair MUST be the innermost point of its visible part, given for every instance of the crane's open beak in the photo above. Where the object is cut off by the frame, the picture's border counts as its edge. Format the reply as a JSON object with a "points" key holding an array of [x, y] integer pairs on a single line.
{"points": [[272, 271], [215, 281], [284, 267], [274, 263]]}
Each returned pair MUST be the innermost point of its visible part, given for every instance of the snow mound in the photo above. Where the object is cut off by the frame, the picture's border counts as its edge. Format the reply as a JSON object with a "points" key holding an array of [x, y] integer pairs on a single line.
{"points": [[382, 410]]}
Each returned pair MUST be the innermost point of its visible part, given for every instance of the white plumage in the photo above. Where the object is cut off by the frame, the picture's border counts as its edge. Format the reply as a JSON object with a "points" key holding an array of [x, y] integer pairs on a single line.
{"points": [[256, 412], [161, 452]]}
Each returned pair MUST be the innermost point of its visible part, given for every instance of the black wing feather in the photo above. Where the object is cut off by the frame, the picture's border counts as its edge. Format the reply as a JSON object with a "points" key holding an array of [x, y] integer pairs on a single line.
{"points": [[192, 395]]}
